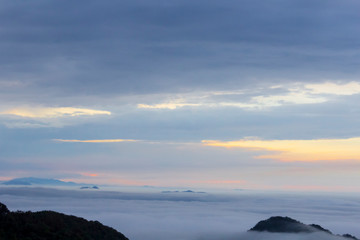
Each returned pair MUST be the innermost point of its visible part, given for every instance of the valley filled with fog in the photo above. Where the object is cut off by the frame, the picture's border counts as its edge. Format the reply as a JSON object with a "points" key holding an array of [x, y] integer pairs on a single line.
{"points": [[180, 215]]}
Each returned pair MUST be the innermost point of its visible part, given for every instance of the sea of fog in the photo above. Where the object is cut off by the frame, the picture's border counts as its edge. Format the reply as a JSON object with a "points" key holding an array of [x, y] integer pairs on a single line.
{"points": [[156, 215]]}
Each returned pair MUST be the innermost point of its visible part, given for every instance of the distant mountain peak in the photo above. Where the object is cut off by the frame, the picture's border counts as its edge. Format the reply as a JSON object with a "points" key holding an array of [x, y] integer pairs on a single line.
{"points": [[38, 181], [28, 181], [87, 187]]}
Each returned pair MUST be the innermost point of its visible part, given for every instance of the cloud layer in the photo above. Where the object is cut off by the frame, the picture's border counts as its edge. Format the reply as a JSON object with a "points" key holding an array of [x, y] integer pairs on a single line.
{"points": [[154, 215], [53, 112]]}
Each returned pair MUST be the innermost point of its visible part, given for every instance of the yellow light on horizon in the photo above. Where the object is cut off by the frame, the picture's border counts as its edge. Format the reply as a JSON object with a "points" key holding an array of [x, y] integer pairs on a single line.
{"points": [[298, 150]]}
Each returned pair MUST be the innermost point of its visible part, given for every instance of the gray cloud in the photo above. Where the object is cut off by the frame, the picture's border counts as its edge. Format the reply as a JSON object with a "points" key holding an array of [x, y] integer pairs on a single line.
{"points": [[92, 48]]}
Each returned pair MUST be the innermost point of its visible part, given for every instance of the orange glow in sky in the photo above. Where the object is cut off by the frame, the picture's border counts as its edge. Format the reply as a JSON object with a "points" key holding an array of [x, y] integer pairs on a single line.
{"points": [[90, 174], [298, 150]]}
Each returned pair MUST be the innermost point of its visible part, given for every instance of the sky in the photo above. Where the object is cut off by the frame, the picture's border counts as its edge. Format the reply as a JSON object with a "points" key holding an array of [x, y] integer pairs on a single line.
{"points": [[242, 94]]}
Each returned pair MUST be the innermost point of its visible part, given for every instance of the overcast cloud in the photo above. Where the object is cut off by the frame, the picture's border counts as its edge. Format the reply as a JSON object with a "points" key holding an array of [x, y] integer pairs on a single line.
{"points": [[165, 76], [91, 48]]}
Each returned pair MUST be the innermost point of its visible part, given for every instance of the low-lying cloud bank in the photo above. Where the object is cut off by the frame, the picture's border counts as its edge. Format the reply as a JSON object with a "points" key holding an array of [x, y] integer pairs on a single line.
{"points": [[192, 216]]}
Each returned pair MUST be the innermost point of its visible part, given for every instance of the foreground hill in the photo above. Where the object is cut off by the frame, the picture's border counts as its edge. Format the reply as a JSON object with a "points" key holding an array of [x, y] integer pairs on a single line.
{"points": [[289, 225], [46, 225]]}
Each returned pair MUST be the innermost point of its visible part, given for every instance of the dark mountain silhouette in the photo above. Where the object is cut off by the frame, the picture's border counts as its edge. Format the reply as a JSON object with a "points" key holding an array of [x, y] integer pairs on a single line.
{"points": [[3, 210], [350, 236], [320, 228], [187, 191], [51, 225], [283, 224], [288, 225]]}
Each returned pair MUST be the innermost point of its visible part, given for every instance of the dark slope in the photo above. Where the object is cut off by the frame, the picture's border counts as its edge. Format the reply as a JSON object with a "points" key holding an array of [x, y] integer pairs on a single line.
{"points": [[283, 224], [289, 225], [52, 225]]}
